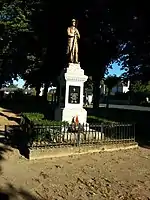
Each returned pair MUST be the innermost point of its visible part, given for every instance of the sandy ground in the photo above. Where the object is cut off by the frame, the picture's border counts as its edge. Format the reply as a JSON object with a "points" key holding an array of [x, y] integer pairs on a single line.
{"points": [[123, 175], [110, 175], [7, 118]]}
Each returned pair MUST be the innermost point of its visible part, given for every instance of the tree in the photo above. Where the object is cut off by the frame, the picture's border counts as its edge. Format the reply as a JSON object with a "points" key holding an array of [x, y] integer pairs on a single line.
{"points": [[97, 43], [105, 37], [135, 53], [110, 38], [13, 25], [139, 91], [88, 85], [101, 46], [138, 86], [25, 50], [12, 86], [110, 82]]}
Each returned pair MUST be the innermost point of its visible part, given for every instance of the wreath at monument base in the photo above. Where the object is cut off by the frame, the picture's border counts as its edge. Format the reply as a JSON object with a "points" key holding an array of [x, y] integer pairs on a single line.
{"points": [[75, 126]]}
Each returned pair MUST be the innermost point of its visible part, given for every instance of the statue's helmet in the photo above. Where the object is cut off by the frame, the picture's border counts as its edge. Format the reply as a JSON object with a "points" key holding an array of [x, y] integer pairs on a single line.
{"points": [[73, 20]]}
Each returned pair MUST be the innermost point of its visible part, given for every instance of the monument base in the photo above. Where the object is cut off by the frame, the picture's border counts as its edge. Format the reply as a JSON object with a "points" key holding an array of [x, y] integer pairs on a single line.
{"points": [[72, 80], [66, 114]]}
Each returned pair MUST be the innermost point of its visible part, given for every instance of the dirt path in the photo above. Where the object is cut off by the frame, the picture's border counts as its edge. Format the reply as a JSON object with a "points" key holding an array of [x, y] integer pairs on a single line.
{"points": [[122, 175], [7, 118]]}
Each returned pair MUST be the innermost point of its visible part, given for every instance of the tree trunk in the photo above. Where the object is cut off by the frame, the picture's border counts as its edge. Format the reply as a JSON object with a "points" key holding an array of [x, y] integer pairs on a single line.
{"points": [[37, 90], [107, 101], [57, 95], [45, 91], [96, 91]]}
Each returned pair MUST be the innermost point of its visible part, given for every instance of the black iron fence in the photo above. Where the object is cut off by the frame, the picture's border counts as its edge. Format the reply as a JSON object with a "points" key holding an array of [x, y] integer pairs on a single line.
{"points": [[86, 134]]}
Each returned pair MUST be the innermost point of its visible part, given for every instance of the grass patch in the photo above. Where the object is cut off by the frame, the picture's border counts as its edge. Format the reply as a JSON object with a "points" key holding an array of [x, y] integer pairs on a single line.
{"points": [[94, 119], [120, 115]]}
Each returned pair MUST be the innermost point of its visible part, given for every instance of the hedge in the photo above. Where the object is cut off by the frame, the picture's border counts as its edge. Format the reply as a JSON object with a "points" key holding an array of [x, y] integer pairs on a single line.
{"points": [[38, 119]]}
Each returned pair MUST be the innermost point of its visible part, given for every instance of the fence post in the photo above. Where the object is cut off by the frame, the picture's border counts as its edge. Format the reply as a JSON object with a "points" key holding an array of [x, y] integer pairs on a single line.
{"points": [[78, 143], [102, 132]]}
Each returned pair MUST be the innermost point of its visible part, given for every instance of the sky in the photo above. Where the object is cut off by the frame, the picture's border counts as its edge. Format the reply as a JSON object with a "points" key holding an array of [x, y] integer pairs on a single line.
{"points": [[115, 70], [20, 83]]}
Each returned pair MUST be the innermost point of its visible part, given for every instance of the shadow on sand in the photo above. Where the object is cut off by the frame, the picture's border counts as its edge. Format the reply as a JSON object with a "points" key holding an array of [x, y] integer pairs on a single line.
{"points": [[3, 150], [11, 193], [16, 138], [140, 118], [16, 119], [30, 104]]}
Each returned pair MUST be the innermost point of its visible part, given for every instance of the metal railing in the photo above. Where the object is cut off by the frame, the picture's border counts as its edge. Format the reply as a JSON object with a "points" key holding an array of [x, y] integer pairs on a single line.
{"points": [[86, 134]]}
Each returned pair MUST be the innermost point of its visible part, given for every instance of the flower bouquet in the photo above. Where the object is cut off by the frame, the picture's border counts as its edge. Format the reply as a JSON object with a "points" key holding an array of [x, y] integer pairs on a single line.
{"points": [[75, 126]]}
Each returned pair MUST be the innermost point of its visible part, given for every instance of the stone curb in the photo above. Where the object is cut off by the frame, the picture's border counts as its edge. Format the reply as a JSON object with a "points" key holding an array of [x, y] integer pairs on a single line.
{"points": [[71, 151]]}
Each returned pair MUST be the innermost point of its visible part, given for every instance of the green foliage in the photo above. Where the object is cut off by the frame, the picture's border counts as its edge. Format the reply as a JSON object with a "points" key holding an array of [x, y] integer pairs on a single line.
{"points": [[33, 116], [38, 119], [138, 86], [13, 22], [12, 86], [49, 97], [19, 47], [33, 92], [45, 122], [94, 119], [13, 17], [27, 43], [39, 129]]}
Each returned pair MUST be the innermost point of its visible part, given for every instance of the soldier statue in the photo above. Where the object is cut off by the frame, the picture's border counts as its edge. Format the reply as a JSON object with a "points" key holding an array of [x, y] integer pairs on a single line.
{"points": [[72, 48]]}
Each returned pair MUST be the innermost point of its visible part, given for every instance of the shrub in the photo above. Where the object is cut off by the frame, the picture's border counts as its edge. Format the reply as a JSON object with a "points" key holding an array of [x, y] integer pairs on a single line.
{"points": [[33, 116], [38, 119], [39, 129], [94, 119]]}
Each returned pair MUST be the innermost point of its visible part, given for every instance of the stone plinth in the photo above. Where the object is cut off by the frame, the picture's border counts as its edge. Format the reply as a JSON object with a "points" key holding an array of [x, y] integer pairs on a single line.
{"points": [[73, 84]]}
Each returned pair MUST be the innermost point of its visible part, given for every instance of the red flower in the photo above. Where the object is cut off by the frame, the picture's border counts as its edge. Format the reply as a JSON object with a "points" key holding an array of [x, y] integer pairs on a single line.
{"points": [[77, 120]]}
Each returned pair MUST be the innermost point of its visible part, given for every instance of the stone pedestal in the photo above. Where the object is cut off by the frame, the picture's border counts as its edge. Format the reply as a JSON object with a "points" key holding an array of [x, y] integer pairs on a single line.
{"points": [[71, 94]]}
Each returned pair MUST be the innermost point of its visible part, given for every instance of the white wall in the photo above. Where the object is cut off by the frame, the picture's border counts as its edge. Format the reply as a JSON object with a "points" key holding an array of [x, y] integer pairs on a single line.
{"points": [[125, 89]]}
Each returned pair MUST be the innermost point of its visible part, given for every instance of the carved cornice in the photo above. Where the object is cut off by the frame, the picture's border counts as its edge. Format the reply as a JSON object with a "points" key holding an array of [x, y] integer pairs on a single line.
{"points": [[73, 78], [75, 73]]}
